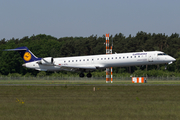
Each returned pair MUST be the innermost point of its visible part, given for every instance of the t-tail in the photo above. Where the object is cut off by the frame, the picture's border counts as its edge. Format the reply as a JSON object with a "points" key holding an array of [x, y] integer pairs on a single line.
{"points": [[25, 53]]}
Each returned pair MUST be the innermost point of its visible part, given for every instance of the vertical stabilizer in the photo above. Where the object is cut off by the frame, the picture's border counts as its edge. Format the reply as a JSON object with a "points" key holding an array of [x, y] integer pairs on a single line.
{"points": [[25, 53]]}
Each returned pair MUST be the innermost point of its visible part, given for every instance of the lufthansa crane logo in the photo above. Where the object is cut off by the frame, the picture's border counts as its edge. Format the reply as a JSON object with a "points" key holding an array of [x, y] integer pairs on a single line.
{"points": [[27, 56]]}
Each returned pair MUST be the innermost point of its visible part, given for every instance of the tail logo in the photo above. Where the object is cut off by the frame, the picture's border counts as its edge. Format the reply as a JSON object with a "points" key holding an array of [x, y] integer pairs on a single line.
{"points": [[27, 56]]}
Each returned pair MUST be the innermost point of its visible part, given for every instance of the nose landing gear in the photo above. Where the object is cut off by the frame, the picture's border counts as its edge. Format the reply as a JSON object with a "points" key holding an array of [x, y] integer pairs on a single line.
{"points": [[165, 66]]}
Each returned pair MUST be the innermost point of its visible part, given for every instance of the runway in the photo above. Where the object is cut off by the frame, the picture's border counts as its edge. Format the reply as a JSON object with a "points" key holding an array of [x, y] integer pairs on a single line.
{"points": [[89, 84]]}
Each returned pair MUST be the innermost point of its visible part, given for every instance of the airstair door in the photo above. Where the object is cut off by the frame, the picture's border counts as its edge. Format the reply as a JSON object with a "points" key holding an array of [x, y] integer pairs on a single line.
{"points": [[150, 57]]}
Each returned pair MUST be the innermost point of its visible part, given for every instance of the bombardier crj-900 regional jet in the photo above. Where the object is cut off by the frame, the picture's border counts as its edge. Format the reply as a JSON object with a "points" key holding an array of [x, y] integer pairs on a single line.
{"points": [[91, 62]]}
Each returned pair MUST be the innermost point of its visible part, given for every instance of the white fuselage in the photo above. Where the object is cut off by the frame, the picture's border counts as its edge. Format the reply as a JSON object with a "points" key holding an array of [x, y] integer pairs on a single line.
{"points": [[93, 62]]}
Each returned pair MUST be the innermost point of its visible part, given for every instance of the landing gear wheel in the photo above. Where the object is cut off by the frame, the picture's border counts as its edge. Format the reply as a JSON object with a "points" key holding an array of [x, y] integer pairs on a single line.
{"points": [[81, 75], [89, 75]]}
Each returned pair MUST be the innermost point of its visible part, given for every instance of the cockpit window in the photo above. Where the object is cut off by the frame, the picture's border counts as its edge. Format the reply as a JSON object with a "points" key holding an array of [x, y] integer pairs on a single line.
{"points": [[162, 54]]}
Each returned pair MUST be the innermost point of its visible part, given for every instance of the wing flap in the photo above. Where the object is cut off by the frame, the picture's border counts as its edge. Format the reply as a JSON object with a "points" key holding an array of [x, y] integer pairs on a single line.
{"points": [[42, 69]]}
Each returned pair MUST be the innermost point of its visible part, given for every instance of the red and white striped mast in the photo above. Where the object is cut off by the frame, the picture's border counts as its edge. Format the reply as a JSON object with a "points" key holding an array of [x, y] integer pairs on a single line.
{"points": [[107, 52], [111, 67], [110, 52]]}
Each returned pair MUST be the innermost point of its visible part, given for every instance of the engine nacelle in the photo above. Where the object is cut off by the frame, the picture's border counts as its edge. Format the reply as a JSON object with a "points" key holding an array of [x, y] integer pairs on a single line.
{"points": [[47, 61]]}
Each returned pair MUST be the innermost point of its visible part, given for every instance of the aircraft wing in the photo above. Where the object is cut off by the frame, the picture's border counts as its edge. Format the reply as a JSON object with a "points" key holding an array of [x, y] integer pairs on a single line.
{"points": [[78, 67]]}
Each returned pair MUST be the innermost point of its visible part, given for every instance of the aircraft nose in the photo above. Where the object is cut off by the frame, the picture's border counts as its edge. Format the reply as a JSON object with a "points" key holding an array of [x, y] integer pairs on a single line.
{"points": [[173, 59]]}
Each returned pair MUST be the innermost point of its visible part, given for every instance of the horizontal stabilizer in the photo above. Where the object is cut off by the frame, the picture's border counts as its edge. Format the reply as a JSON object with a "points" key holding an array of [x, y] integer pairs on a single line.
{"points": [[14, 49]]}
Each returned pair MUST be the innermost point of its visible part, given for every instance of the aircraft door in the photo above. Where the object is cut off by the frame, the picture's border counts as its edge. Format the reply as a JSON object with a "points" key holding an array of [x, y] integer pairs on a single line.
{"points": [[155, 56], [60, 62], [150, 57]]}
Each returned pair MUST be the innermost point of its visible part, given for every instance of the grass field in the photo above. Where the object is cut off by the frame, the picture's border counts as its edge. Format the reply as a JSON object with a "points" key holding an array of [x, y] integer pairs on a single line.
{"points": [[87, 82], [82, 102]]}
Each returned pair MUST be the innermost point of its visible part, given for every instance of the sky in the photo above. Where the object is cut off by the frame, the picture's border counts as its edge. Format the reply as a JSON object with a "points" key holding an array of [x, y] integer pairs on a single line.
{"points": [[83, 18]]}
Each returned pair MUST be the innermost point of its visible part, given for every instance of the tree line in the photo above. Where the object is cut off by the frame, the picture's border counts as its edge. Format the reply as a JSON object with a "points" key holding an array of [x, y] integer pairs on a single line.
{"points": [[45, 46]]}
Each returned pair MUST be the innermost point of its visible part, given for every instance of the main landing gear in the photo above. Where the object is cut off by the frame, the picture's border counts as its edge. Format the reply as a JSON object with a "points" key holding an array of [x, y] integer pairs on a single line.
{"points": [[89, 75], [81, 75]]}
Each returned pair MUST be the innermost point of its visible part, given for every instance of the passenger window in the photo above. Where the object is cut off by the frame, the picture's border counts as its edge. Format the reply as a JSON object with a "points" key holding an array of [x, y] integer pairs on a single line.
{"points": [[97, 58], [64, 61], [69, 60], [127, 56], [101, 58], [72, 60], [119, 57], [87, 59], [104, 58], [84, 60], [116, 57], [112, 57]]}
